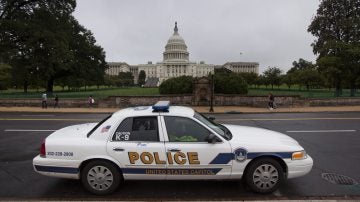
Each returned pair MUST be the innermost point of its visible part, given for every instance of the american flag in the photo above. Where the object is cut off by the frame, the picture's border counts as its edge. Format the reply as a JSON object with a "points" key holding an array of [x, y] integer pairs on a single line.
{"points": [[105, 129]]}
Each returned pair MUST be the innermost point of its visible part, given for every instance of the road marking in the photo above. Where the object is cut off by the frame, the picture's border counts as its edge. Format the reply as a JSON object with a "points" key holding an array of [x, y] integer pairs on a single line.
{"points": [[26, 130], [320, 131], [44, 119], [39, 115], [289, 119]]}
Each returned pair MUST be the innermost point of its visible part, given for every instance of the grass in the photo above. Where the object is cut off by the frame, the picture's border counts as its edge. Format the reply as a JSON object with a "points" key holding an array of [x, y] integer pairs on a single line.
{"points": [[313, 93], [82, 93], [104, 92]]}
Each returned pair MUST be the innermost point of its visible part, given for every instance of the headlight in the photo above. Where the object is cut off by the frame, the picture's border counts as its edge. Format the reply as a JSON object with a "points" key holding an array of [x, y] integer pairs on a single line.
{"points": [[299, 155]]}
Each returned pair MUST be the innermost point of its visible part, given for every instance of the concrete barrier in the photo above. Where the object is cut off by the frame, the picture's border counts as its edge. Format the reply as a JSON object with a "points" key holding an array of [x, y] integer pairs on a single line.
{"points": [[187, 100]]}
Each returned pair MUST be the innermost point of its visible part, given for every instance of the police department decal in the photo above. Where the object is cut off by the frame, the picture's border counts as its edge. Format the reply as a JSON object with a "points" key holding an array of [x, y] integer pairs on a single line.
{"points": [[240, 154]]}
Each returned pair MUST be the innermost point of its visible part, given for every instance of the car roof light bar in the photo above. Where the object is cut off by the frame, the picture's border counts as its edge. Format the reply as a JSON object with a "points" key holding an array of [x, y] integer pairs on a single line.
{"points": [[161, 106]]}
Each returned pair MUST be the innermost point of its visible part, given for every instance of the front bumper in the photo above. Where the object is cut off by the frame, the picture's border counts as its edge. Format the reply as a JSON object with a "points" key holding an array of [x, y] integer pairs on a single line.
{"points": [[297, 168], [56, 167]]}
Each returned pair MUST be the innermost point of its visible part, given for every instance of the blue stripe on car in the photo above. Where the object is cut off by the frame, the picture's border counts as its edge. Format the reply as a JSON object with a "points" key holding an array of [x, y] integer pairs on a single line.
{"points": [[283, 155], [56, 169], [225, 158]]}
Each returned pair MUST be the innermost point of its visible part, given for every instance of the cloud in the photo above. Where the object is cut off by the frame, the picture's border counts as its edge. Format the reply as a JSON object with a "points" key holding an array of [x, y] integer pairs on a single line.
{"points": [[272, 33]]}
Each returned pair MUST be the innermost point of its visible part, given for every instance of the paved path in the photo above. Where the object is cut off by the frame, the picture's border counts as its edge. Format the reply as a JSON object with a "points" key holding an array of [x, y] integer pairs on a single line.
{"points": [[222, 109]]}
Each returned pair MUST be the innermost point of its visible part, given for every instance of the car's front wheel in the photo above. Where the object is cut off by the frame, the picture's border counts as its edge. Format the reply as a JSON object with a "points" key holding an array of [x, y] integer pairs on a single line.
{"points": [[100, 177], [264, 175]]}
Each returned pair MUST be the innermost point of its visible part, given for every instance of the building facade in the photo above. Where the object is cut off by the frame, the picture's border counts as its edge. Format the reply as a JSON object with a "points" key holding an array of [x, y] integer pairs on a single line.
{"points": [[176, 63]]}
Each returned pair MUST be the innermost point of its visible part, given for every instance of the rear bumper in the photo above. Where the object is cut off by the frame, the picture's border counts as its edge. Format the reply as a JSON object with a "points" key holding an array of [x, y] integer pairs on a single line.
{"points": [[297, 168], [56, 167]]}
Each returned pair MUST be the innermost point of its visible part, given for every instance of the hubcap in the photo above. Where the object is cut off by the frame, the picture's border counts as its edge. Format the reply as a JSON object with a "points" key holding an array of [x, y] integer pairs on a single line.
{"points": [[265, 176], [100, 178]]}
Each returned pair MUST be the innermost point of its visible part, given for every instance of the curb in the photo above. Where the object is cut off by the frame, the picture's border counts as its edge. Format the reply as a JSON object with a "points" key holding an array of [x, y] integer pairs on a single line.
{"points": [[221, 110]]}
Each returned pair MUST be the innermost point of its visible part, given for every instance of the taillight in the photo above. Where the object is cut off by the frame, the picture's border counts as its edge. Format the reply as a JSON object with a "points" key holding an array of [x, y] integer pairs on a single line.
{"points": [[42, 149]]}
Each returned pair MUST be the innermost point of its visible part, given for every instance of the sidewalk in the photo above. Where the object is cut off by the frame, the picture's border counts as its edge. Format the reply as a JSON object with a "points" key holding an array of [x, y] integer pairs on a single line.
{"points": [[218, 109]]}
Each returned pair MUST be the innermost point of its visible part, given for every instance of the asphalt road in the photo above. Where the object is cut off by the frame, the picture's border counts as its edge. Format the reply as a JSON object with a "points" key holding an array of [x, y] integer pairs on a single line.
{"points": [[332, 139]]}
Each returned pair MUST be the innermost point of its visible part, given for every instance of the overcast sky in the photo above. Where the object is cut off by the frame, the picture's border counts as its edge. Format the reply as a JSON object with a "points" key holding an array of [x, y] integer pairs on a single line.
{"points": [[272, 33]]}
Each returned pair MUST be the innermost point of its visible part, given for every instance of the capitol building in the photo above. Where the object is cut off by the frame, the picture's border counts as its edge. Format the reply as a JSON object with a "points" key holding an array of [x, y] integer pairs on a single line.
{"points": [[176, 63]]}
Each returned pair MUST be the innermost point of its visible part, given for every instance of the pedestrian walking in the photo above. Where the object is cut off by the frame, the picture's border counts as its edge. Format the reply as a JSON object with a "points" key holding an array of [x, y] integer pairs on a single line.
{"points": [[91, 101], [44, 101], [271, 101], [56, 99]]}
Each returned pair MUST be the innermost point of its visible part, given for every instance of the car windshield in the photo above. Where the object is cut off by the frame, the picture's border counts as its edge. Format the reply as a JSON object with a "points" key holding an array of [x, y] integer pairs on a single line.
{"points": [[218, 128]]}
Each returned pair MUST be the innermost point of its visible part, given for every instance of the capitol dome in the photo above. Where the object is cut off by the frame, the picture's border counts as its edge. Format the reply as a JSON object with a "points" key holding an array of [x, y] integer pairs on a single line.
{"points": [[176, 49]]}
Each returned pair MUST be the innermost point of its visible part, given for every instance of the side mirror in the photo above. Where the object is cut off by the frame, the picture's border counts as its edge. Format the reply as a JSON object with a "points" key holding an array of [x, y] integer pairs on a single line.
{"points": [[211, 118], [211, 138]]}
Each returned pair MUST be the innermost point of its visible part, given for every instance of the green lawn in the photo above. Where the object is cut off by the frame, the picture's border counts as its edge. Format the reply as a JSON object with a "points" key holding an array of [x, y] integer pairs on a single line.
{"points": [[104, 92], [97, 93], [313, 93]]}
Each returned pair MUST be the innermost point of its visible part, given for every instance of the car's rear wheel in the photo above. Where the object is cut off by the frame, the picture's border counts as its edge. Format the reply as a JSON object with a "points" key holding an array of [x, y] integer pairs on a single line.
{"points": [[264, 175], [101, 177]]}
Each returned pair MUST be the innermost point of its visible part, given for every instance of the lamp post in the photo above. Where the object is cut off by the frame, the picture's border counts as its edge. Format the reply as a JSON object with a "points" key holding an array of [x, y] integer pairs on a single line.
{"points": [[212, 94]]}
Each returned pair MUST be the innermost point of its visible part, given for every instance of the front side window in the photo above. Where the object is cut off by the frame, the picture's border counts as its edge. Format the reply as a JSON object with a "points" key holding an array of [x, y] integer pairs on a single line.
{"points": [[181, 129], [137, 129]]}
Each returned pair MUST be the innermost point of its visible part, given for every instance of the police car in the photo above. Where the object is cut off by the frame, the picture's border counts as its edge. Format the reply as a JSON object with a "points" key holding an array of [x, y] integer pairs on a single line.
{"points": [[166, 142]]}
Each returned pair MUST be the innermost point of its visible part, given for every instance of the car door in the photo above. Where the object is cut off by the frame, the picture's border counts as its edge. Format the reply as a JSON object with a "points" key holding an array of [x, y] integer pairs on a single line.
{"points": [[139, 145], [189, 154]]}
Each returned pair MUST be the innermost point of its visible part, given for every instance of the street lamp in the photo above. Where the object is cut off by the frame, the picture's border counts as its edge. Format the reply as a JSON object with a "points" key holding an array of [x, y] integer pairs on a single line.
{"points": [[212, 94]]}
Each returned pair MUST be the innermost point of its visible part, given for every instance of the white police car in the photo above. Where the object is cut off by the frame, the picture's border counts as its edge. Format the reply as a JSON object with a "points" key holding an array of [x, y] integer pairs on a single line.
{"points": [[169, 143]]}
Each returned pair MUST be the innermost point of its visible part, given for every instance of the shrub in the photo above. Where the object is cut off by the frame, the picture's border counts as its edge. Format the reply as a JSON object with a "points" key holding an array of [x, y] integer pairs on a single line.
{"points": [[230, 83], [177, 85]]}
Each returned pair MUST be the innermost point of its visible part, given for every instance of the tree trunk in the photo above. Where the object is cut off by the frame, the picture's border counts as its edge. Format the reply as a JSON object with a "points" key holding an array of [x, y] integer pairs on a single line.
{"points": [[50, 85], [25, 86], [352, 88], [338, 89]]}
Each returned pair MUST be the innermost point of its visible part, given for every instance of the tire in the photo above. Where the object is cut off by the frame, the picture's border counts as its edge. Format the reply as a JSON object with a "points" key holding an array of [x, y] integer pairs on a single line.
{"points": [[101, 177], [264, 175]]}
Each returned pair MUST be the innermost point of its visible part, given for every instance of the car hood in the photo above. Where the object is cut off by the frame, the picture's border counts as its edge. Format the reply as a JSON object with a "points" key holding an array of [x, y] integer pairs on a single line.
{"points": [[75, 131], [261, 139]]}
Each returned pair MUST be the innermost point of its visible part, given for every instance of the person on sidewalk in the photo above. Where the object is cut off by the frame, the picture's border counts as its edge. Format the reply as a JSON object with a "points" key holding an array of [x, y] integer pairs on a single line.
{"points": [[44, 101], [271, 101], [91, 101], [56, 99]]}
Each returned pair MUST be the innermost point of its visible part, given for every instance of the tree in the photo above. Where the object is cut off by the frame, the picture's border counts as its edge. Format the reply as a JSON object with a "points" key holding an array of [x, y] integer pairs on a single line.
{"points": [[298, 73], [41, 37], [301, 65], [250, 77], [337, 29], [310, 78], [222, 70], [125, 79], [272, 75], [5, 76], [142, 77], [288, 79], [34, 37]]}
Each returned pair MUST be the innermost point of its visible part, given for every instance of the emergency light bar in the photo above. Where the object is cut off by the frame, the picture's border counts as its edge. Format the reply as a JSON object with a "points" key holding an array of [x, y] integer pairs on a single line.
{"points": [[161, 106]]}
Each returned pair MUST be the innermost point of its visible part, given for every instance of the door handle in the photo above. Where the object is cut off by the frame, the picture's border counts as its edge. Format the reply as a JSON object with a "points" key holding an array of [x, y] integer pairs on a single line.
{"points": [[118, 149], [174, 150]]}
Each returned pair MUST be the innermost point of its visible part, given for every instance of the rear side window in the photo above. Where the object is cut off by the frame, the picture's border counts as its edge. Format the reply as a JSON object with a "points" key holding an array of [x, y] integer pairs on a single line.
{"points": [[97, 125], [137, 129]]}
